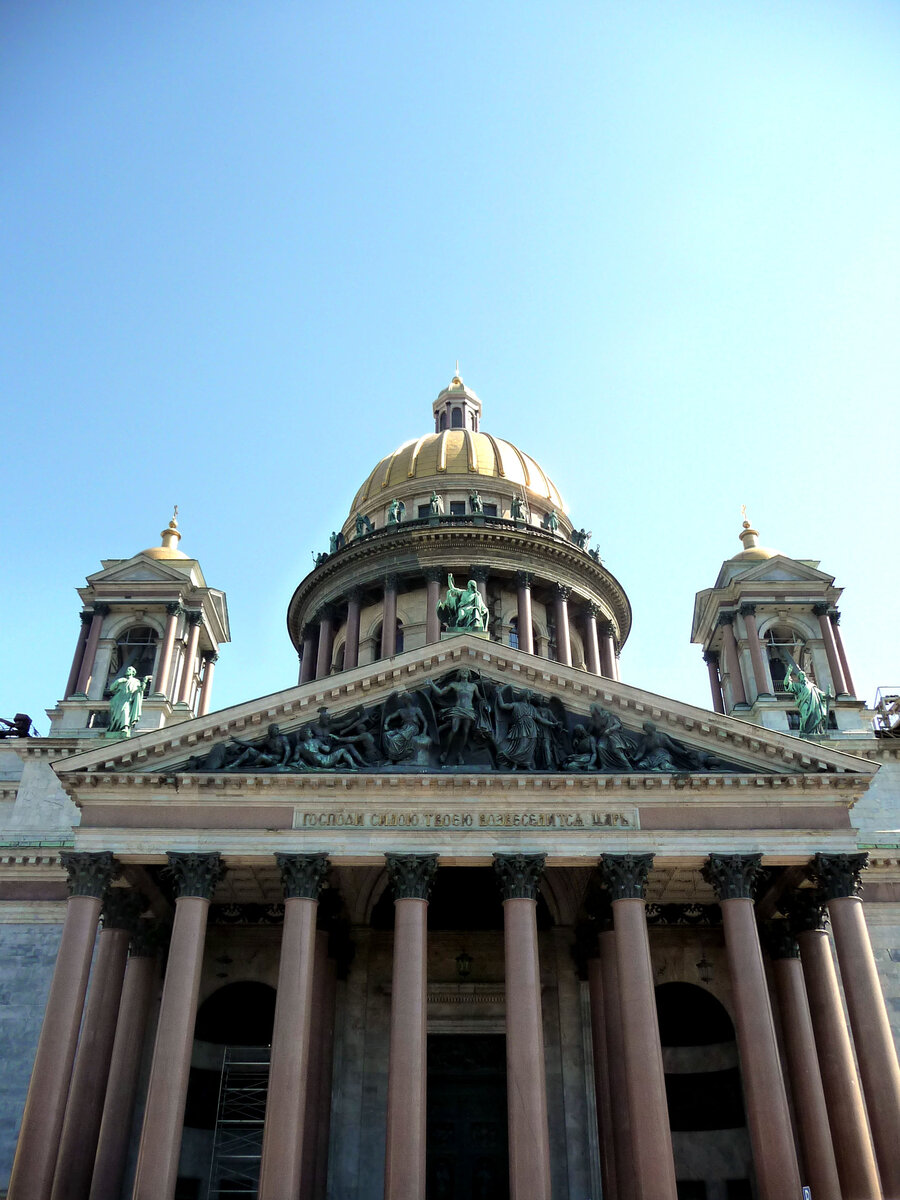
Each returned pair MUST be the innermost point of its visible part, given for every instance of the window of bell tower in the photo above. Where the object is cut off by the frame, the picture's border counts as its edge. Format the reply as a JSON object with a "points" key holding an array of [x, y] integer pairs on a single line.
{"points": [[780, 639], [136, 647]]}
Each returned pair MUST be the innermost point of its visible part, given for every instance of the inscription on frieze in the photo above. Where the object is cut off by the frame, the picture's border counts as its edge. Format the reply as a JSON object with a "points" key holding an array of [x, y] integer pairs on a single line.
{"points": [[357, 818]]}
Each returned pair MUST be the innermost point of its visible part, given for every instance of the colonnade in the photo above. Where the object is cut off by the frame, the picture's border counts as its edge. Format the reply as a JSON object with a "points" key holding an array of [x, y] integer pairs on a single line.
{"points": [[77, 1116], [829, 627], [317, 646], [197, 668]]}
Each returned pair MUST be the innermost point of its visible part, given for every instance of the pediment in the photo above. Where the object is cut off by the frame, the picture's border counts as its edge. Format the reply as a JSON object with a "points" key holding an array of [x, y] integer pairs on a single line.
{"points": [[397, 716], [774, 570], [141, 569]]}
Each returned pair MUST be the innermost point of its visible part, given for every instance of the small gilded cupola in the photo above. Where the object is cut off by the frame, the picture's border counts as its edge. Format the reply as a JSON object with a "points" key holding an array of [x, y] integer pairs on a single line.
{"points": [[457, 407]]}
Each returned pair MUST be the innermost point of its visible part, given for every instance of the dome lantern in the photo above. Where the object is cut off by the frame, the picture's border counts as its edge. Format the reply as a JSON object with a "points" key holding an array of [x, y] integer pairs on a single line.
{"points": [[457, 407]]}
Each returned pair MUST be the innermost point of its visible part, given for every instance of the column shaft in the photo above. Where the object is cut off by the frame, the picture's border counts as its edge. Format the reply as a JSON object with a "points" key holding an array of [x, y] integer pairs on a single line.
{"points": [[351, 641], [768, 1116], [875, 1052], [313, 1086], [324, 1121], [529, 1138], [326, 645], [187, 670], [118, 1109], [164, 668], [77, 659], [608, 654], [846, 1112], [432, 599], [601, 1078], [45, 1105], [756, 658], [831, 652], [524, 619], [389, 620], [404, 1168], [84, 1109], [209, 667], [157, 1166], [592, 645], [563, 642], [646, 1088], [733, 666], [282, 1153], [842, 655], [308, 656], [715, 684], [618, 1075], [806, 1081], [90, 653]]}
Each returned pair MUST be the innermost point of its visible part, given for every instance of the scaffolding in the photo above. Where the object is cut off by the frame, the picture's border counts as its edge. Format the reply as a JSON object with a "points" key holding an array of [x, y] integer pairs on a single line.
{"points": [[887, 712], [241, 1113]]}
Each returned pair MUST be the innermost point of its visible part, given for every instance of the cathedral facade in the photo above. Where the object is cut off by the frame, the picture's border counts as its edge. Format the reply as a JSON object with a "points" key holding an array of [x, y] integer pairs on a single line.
{"points": [[461, 914]]}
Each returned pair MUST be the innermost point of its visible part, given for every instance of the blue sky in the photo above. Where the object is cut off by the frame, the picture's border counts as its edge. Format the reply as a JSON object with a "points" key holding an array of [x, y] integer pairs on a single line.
{"points": [[243, 245]]}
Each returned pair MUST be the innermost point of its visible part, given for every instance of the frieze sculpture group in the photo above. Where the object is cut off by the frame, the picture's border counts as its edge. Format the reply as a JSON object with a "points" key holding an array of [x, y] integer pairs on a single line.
{"points": [[462, 720]]}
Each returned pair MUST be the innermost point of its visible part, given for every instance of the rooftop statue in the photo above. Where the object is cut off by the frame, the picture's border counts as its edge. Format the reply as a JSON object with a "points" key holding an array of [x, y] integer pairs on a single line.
{"points": [[476, 504], [463, 608], [396, 511], [581, 537], [436, 505], [812, 702], [517, 508], [125, 702], [363, 525], [336, 542], [551, 521]]}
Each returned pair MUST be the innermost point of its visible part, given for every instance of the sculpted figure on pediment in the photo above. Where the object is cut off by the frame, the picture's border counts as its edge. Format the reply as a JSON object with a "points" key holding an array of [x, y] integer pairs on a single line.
{"points": [[408, 728], [526, 730]]}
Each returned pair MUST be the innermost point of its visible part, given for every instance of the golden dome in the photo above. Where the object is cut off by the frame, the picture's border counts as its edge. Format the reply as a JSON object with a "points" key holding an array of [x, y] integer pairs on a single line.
{"points": [[752, 552], [457, 454], [170, 539]]}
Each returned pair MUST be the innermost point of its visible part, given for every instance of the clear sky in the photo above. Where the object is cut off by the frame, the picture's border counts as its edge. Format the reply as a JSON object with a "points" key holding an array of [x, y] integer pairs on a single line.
{"points": [[244, 244]]}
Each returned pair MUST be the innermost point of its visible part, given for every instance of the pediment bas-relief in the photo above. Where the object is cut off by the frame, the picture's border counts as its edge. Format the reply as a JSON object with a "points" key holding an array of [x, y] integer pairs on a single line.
{"points": [[462, 721]]}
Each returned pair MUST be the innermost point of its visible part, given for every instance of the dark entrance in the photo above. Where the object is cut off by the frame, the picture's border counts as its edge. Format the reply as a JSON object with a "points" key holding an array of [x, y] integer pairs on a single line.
{"points": [[468, 1156]]}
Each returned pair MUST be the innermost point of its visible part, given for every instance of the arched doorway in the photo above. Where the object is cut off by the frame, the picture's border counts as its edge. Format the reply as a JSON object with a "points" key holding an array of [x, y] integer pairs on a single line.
{"points": [[704, 1094], [226, 1098]]}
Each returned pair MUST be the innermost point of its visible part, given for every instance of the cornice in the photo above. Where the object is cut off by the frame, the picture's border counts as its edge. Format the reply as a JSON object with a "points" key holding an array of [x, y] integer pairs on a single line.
{"points": [[418, 548]]}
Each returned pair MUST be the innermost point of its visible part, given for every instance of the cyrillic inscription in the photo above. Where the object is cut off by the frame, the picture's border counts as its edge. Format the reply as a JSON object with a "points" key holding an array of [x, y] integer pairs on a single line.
{"points": [[477, 819]]}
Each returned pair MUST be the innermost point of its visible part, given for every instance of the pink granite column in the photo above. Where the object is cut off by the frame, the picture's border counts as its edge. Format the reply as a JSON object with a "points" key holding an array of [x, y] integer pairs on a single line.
{"points": [[190, 657], [820, 1166], [90, 650], [432, 599], [561, 609], [325, 617], [732, 659], [602, 1094], [524, 619], [209, 666], [313, 1089], [138, 990], [35, 1161], [625, 875], [839, 875], [835, 666], [715, 684], [768, 1115], [389, 618], [84, 1107], [519, 878], [481, 576], [323, 1124], [748, 612], [591, 641], [164, 669], [351, 640], [608, 652], [308, 655], [842, 654], [411, 876], [303, 876], [850, 1136], [78, 656], [196, 876], [618, 1075]]}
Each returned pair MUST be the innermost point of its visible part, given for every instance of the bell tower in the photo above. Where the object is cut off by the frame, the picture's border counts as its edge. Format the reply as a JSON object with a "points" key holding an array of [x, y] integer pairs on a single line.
{"points": [[765, 606], [155, 613]]}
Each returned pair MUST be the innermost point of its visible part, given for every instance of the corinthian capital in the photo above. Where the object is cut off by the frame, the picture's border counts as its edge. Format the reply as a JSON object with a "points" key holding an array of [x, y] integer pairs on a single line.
{"points": [[625, 875], [519, 875], [733, 875], [89, 874], [302, 875], [195, 874], [411, 875], [839, 875]]}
